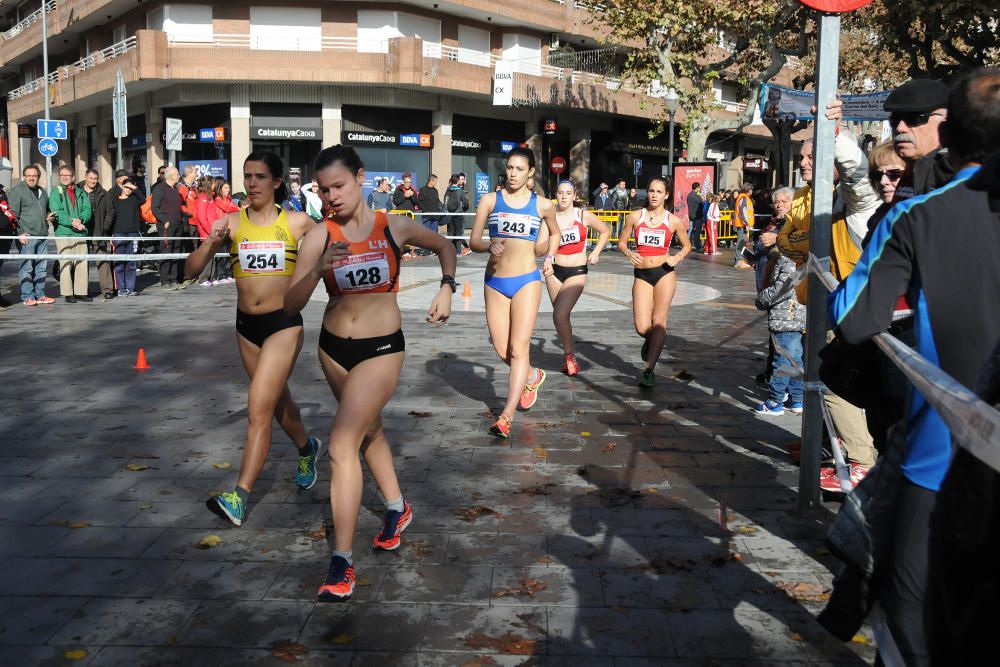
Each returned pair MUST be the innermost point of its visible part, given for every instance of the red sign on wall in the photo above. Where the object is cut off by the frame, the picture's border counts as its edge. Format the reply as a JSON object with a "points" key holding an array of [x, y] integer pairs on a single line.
{"points": [[558, 165]]}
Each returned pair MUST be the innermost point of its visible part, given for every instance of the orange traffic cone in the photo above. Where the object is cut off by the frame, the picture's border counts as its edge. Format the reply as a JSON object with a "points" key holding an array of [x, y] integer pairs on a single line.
{"points": [[140, 361], [467, 290]]}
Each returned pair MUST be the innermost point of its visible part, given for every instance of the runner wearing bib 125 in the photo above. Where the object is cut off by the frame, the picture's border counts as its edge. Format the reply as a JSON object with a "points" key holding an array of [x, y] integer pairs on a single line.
{"points": [[655, 282], [263, 245], [569, 273], [356, 253], [512, 290]]}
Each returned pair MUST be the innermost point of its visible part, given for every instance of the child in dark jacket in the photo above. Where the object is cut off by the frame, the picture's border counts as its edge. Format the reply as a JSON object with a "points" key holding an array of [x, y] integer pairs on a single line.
{"points": [[786, 322]]}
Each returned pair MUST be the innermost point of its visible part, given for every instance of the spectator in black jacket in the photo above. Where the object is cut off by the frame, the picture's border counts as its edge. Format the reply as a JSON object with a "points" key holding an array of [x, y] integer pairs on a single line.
{"points": [[167, 207], [429, 201], [947, 265], [694, 214], [96, 193], [917, 110], [405, 197]]}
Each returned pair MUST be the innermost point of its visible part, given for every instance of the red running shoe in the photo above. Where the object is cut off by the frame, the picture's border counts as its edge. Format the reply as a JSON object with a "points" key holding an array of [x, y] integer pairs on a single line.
{"points": [[30, 302], [530, 393], [393, 526], [339, 584], [830, 482], [46, 299], [501, 428], [571, 367]]}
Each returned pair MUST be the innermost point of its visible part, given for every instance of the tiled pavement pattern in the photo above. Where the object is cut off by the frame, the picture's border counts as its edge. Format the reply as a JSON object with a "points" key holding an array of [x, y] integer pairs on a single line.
{"points": [[619, 526]]}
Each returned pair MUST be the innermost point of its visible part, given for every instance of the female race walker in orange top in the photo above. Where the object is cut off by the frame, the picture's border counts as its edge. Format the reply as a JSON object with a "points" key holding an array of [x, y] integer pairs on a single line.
{"points": [[569, 274], [655, 281], [357, 254], [513, 284], [263, 245]]}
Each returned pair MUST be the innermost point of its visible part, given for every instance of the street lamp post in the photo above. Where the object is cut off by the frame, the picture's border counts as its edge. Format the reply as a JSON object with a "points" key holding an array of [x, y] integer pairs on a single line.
{"points": [[670, 102]]}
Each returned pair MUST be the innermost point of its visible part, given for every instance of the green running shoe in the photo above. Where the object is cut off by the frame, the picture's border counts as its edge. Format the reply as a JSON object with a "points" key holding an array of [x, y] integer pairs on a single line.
{"points": [[305, 476], [648, 378], [228, 506]]}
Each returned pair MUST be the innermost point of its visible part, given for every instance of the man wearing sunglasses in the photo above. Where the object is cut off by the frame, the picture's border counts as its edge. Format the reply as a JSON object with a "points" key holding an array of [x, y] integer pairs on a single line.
{"points": [[916, 111]]}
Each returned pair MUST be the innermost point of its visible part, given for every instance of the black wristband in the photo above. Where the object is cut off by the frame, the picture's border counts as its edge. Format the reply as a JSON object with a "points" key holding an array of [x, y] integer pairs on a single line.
{"points": [[449, 281]]}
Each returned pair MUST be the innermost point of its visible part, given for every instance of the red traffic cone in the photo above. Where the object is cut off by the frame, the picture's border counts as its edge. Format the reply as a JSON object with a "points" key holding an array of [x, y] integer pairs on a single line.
{"points": [[140, 361], [467, 290]]}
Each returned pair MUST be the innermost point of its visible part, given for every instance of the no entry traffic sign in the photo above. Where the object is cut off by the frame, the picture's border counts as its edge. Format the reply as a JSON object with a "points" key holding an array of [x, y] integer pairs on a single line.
{"points": [[835, 6], [558, 165]]}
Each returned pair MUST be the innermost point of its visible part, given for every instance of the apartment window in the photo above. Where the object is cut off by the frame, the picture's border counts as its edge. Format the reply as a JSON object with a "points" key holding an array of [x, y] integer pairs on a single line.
{"points": [[183, 23], [286, 28], [119, 34], [525, 51], [473, 46], [376, 28]]}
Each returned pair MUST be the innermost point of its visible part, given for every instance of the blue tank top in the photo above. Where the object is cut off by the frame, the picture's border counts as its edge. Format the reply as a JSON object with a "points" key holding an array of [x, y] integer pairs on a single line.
{"points": [[507, 222]]}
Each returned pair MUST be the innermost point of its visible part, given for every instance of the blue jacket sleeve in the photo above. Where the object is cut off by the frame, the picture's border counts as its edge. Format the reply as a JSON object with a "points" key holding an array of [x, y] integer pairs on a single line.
{"points": [[863, 304]]}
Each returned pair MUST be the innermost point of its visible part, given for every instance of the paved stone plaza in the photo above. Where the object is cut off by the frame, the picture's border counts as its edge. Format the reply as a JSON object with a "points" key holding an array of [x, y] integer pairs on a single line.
{"points": [[619, 526]]}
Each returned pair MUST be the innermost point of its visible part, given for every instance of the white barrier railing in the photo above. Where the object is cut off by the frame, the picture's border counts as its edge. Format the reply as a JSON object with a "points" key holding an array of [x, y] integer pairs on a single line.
{"points": [[29, 20], [83, 64]]}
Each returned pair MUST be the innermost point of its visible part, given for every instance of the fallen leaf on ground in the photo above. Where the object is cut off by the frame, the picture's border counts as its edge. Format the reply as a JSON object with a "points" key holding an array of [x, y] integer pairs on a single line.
{"points": [[321, 533], [585, 433], [75, 654], [541, 490], [860, 639], [803, 590], [288, 651], [222, 466], [146, 506], [650, 489], [137, 466], [609, 447], [724, 557], [418, 414], [525, 587], [546, 560], [209, 541], [343, 638], [364, 581], [508, 643], [747, 530], [684, 375], [822, 551], [796, 637], [541, 453], [473, 513], [419, 548], [70, 524]]}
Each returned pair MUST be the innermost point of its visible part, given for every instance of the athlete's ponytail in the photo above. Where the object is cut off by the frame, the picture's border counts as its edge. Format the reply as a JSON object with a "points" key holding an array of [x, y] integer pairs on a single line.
{"points": [[276, 168]]}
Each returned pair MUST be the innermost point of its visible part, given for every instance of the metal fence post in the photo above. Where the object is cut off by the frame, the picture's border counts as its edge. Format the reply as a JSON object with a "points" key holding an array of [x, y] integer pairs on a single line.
{"points": [[820, 240]]}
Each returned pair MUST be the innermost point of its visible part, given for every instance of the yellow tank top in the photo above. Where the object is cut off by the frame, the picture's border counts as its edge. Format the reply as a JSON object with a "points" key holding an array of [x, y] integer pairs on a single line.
{"points": [[263, 251]]}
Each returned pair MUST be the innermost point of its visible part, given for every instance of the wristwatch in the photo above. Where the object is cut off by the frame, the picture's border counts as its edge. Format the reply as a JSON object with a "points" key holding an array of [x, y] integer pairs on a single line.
{"points": [[449, 281]]}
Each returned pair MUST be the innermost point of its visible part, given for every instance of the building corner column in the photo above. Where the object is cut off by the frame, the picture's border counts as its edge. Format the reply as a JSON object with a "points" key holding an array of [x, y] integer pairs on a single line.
{"points": [[239, 114], [441, 122], [155, 153], [579, 160], [332, 117]]}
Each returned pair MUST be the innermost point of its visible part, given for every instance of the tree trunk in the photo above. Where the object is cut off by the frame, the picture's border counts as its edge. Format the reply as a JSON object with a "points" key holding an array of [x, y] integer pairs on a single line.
{"points": [[696, 140]]}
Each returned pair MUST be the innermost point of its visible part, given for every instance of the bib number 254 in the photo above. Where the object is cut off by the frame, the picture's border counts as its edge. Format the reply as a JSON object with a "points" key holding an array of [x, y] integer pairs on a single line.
{"points": [[261, 261]]}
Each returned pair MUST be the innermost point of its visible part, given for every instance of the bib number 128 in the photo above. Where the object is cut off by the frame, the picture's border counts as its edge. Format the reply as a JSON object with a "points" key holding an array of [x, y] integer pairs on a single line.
{"points": [[362, 277]]}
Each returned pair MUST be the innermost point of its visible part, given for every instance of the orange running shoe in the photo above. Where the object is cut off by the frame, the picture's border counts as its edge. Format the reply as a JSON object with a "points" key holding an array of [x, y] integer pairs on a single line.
{"points": [[571, 367], [339, 584], [530, 393], [501, 428], [393, 526]]}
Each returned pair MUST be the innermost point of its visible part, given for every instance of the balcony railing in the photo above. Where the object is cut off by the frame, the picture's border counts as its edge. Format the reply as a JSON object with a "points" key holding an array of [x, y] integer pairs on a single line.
{"points": [[246, 41], [83, 64], [29, 20]]}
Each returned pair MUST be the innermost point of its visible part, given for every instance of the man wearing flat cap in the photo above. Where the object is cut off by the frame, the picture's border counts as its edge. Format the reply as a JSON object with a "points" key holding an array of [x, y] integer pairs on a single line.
{"points": [[916, 110]]}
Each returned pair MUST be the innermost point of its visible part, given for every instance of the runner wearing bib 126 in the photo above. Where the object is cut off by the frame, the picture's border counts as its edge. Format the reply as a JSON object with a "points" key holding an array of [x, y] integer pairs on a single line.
{"points": [[655, 282], [512, 290], [357, 254], [569, 273], [263, 245]]}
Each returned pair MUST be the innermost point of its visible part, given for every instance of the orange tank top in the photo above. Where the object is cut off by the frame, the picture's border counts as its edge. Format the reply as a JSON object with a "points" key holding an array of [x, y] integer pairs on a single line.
{"points": [[372, 268]]}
